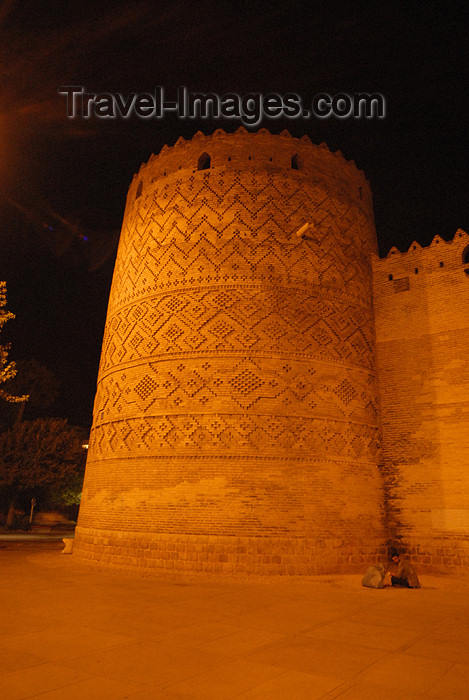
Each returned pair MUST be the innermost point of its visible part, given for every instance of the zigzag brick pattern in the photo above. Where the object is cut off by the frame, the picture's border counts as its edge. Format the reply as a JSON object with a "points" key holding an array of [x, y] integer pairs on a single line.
{"points": [[236, 417]]}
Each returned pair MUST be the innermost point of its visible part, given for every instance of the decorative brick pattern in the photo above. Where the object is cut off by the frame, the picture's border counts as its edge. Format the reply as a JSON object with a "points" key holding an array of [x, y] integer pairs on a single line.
{"points": [[237, 393]]}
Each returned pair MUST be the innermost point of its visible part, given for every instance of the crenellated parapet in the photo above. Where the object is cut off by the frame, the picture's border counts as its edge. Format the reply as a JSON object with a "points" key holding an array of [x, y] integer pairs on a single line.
{"points": [[399, 271], [247, 151]]}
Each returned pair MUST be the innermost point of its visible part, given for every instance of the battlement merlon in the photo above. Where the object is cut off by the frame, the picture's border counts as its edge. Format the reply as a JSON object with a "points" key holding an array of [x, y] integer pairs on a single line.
{"points": [[439, 256], [244, 150]]}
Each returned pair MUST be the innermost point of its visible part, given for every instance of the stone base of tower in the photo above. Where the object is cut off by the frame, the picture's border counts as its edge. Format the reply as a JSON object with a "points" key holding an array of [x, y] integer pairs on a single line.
{"points": [[225, 554]]}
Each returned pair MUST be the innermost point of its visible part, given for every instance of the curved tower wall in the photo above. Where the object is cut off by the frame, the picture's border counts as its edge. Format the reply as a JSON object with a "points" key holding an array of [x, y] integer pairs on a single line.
{"points": [[235, 421]]}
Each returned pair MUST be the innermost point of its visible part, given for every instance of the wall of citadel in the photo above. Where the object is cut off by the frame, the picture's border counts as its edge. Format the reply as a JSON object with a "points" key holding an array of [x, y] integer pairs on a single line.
{"points": [[236, 421], [421, 300]]}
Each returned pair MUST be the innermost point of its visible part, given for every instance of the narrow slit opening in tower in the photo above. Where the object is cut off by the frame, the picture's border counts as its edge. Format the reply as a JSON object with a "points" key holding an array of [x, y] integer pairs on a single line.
{"points": [[204, 162], [296, 162]]}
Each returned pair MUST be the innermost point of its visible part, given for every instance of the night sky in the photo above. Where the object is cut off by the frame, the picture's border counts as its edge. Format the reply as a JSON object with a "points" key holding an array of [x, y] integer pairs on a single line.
{"points": [[63, 182]]}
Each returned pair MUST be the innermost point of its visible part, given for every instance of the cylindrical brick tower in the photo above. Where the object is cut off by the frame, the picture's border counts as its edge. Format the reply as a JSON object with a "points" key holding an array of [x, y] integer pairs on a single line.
{"points": [[236, 420]]}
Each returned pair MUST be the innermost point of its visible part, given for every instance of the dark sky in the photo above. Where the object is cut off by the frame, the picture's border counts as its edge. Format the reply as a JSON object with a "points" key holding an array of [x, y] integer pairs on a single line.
{"points": [[63, 182]]}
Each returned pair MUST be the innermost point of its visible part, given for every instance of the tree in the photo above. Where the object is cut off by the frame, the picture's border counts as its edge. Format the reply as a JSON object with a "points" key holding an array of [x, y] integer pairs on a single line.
{"points": [[7, 369], [45, 454], [35, 381]]}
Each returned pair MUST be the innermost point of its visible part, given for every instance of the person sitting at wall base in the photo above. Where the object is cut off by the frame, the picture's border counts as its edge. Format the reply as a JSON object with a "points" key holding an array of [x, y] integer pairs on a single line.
{"points": [[406, 575]]}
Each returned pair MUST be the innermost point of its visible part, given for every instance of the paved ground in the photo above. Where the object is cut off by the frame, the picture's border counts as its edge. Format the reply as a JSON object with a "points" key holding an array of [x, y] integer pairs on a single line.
{"points": [[71, 631], [33, 536]]}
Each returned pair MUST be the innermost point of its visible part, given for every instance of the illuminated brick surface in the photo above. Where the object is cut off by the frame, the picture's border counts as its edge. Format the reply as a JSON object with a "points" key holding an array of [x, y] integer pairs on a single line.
{"points": [[236, 418], [422, 330], [236, 424]]}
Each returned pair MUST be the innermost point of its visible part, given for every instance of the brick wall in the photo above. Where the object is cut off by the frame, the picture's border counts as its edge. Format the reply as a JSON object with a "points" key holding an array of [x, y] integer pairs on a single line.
{"points": [[422, 328]]}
